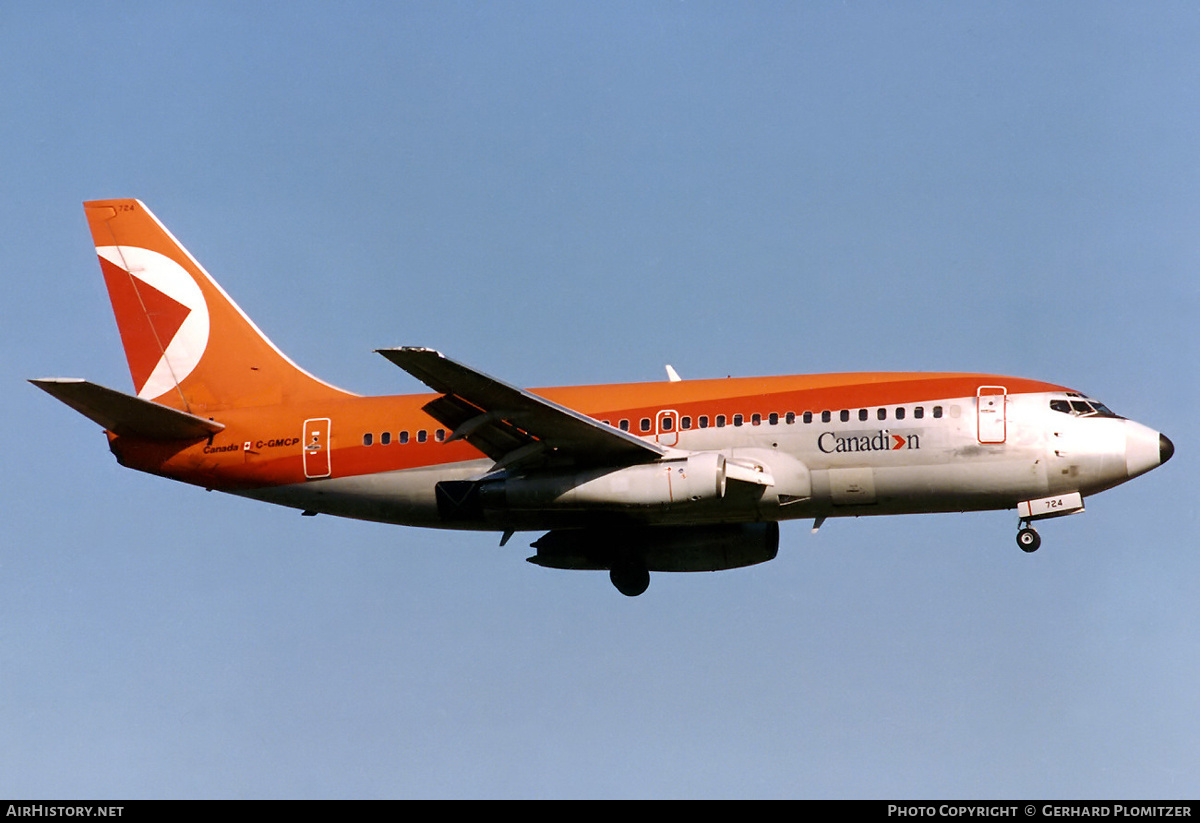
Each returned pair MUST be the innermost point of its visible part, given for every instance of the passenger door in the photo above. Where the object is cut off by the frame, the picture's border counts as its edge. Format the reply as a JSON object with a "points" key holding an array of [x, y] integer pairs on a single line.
{"points": [[990, 412], [315, 443]]}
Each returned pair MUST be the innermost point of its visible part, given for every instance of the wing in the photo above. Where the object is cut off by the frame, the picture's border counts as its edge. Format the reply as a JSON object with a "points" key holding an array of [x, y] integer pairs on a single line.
{"points": [[513, 426]]}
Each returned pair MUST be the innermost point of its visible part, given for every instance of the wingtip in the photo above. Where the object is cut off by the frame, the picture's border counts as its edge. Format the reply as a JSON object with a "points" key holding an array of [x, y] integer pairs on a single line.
{"points": [[44, 382]]}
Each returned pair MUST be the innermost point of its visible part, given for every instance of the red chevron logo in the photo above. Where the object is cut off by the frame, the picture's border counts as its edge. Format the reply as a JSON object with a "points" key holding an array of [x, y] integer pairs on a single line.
{"points": [[147, 319]]}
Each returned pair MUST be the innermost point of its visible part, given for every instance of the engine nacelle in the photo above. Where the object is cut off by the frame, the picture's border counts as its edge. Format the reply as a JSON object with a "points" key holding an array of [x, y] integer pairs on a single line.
{"points": [[660, 548], [693, 478]]}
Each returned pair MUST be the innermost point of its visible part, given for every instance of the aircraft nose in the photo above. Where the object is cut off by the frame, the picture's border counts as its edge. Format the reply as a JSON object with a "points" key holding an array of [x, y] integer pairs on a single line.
{"points": [[1145, 449]]}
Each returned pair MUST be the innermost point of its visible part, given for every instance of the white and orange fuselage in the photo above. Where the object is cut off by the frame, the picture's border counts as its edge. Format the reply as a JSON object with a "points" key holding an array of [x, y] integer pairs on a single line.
{"points": [[673, 475]]}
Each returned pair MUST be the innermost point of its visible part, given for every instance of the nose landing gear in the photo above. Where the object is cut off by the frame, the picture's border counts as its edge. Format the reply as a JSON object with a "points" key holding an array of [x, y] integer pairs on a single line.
{"points": [[1058, 505]]}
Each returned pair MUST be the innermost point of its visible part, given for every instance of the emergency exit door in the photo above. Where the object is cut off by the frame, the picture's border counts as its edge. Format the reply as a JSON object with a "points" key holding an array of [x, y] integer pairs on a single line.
{"points": [[666, 427]]}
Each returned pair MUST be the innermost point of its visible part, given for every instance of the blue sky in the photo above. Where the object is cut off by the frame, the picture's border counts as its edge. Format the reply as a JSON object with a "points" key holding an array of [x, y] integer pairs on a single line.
{"points": [[567, 193]]}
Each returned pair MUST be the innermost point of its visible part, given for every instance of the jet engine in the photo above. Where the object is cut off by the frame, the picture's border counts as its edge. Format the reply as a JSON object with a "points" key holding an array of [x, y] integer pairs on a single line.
{"points": [[696, 477]]}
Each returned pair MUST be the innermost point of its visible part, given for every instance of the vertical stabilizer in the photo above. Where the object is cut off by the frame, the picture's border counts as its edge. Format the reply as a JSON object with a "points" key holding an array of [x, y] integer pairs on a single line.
{"points": [[187, 343]]}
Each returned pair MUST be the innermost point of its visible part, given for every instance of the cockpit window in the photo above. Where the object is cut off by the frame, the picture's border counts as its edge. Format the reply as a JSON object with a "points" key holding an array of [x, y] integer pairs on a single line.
{"points": [[1081, 407]]}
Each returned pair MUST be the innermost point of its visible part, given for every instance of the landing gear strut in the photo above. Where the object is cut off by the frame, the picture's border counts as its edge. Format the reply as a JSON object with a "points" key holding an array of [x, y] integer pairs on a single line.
{"points": [[1028, 539]]}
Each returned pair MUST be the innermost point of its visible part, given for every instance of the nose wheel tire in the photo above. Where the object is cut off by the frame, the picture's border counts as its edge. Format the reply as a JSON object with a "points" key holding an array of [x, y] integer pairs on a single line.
{"points": [[1028, 539]]}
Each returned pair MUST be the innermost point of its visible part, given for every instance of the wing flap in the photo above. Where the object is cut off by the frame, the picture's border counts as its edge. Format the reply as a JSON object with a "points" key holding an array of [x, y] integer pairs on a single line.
{"points": [[486, 431], [501, 420], [124, 414]]}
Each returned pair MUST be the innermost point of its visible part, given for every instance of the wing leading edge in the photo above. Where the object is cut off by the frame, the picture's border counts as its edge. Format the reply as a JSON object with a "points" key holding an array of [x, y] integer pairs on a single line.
{"points": [[513, 426]]}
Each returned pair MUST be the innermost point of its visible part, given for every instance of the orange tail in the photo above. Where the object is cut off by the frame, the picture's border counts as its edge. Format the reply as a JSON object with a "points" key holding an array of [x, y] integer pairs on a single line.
{"points": [[188, 344]]}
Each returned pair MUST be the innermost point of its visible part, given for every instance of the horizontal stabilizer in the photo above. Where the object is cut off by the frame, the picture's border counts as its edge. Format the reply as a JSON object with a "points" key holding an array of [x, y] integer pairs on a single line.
{"points": [[124, 414]]}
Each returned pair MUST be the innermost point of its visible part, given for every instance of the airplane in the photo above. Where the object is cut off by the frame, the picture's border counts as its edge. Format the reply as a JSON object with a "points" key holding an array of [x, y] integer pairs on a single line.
{"points": [[671, 476]]}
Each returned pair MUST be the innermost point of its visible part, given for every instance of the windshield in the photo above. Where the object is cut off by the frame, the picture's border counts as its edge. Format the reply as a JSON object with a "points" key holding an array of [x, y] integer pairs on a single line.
{"points": [[1080, 406]]}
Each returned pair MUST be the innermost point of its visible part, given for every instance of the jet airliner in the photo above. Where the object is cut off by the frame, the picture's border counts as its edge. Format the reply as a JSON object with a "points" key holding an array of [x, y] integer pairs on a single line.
{"points": [[671, 476]]}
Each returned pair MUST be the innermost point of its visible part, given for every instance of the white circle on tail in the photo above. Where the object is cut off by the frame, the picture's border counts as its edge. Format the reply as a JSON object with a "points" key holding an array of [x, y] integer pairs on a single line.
{"points": [[182, 352]]}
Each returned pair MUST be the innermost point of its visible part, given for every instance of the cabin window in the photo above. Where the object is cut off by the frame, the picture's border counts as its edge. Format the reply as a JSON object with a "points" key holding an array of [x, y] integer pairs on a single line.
{"points": [[704, 421], [403, 437], [789, 418], [899, 412], [825, 416], [385, 438], [807, 417], [645, 424], [881, 414], [862, 414], [367, 439], [919, 412], [624, 424], [439, 435], [422, 436], [756, 419], [737, 420], [685, 423], [937, 412], [845, 415], [720, 421]]}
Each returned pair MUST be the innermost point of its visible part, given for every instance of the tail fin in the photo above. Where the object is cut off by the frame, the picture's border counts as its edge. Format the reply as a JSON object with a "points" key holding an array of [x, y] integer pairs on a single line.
{"points": [[188, 344]]}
